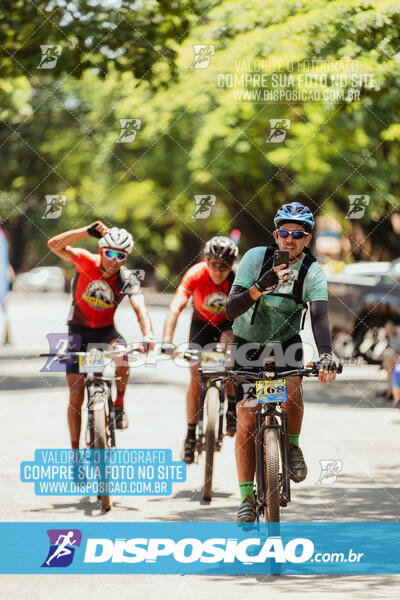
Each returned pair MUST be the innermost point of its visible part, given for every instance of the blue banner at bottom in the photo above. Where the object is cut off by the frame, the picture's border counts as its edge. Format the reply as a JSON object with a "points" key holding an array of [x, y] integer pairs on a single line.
{"points": [[202, 548]]}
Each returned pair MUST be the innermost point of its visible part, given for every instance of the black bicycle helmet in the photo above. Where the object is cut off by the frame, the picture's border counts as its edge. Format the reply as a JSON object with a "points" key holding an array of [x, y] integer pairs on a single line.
{"points": [[221, 247]]}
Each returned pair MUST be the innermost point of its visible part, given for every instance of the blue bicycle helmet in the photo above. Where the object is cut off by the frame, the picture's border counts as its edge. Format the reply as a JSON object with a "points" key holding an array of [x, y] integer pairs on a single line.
{"points": [[295, 213]]}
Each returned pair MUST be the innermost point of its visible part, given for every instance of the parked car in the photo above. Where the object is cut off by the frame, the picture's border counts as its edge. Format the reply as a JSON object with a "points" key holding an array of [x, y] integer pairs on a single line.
{"points": [[41, 279], [362, 298], [366, 269]]}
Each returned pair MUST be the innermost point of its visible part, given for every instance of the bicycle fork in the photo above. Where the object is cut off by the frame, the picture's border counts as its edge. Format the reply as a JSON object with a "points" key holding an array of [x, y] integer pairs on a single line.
{"points": [[200, 431], [285, 496], [221, 415]]}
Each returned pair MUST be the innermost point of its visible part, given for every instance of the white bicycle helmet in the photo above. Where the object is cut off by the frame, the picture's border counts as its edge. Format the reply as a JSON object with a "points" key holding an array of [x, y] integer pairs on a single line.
{"points": [[119, 239]]}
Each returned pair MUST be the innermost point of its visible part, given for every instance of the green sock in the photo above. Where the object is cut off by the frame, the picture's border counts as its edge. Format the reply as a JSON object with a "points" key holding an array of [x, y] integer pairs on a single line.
{"points": [[294, 439], [246, 489]]}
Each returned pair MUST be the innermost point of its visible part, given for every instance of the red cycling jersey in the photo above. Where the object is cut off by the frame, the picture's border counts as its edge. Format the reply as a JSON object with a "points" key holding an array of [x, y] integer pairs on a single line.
{"points": [[209, 299], [94, 297]]}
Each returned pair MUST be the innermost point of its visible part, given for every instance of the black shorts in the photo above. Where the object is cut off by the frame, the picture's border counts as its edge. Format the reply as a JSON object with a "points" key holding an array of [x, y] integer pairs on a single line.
{"points": [[287, 355], [202, 333], [91, 335]]}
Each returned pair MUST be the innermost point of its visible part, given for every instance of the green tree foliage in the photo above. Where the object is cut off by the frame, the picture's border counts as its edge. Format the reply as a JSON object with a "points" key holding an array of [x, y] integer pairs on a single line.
{"points": [[127, 35], [61, 129]]}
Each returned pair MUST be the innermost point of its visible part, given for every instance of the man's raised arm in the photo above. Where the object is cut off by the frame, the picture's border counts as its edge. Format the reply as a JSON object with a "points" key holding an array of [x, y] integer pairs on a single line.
{"points": [[61, 244]]}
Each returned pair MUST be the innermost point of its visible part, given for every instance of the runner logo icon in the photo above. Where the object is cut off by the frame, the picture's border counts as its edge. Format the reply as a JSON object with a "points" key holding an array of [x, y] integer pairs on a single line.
{"points": [[330, 470], [279, 129], [62, 547]]}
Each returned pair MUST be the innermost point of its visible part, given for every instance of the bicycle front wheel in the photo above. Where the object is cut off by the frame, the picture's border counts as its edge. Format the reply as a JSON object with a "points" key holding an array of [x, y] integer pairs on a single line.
{"points": [[271, 473], [100, 442], [212, 410]]}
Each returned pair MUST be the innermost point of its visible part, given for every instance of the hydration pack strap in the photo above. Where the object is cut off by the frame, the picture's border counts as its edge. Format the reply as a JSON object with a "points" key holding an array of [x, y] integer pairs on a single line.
{"points": [[266, 266], [298, 285]]}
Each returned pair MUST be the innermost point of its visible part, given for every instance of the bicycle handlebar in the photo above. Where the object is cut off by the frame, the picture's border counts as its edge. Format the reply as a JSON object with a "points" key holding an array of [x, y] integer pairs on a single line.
{"points": [[194, 353], [129, 349], [248, 376]]}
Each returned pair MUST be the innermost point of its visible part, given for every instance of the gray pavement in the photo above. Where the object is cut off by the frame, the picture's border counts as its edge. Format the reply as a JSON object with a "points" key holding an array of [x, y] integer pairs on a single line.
{"points": [[343, 422]]}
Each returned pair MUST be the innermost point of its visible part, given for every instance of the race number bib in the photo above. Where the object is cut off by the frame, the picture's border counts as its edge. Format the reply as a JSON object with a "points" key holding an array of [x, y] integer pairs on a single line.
{"points": [[92, 362], [271, 391]]}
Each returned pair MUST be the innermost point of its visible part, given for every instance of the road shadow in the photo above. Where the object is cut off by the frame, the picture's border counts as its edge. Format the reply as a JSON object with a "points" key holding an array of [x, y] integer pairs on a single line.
{"points": [[17, 355], [87, 506], [352, 503], [346, 393], [352, 587], [199, 509], [34, 382], [195, 496], [355, 502], [37, 381]]}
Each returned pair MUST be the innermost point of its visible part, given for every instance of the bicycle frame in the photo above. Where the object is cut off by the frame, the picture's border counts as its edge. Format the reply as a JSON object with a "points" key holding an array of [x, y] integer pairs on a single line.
{"points": [[208, 379], [94, 382], [278, 421], [269, 416]]}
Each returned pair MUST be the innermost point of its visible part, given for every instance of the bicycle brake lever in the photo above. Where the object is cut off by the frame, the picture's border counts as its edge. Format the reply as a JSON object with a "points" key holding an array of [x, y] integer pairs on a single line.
{"points": [[310, 373]]}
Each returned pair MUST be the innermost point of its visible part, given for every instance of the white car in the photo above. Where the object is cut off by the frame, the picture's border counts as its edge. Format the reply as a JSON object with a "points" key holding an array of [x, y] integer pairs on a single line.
{"points": [[366, 269], [41, 279]]}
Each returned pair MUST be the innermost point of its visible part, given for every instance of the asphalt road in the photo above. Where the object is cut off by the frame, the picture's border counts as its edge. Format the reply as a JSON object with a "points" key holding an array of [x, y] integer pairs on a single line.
{"points": [[344, 422]]}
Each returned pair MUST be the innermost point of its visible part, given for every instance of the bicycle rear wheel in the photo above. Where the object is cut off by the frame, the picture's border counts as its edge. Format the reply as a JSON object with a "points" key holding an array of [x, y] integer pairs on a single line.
{"points": [[100, 443], [212, 409], [271, 473]]}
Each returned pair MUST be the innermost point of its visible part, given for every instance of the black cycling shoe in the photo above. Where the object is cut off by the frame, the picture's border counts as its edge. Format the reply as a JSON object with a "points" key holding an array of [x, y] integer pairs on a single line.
{"points": [[231, 422], [121, 418], [247, 511], [188, 451], [297, 464]]}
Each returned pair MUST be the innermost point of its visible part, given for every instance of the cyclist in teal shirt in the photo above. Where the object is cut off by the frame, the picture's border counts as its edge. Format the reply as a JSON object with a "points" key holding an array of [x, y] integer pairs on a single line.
{"points": [[266, 304]]}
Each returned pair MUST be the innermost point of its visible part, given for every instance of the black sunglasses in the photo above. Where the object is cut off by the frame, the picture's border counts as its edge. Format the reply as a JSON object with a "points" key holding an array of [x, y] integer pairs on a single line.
{"points": [[220, 266], [297, 235]]}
